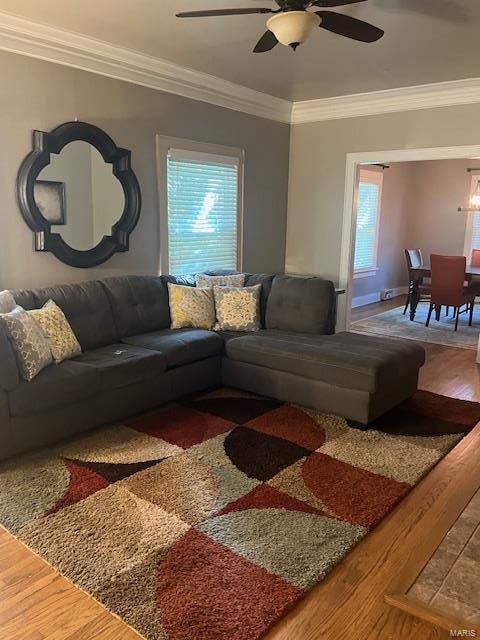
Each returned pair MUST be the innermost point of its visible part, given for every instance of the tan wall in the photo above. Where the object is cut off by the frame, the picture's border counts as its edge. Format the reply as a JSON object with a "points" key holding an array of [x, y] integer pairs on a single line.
{"points": [[317, 173], [438, 189], [42, 95], [393, 232], [74, 169], [419, 210]]}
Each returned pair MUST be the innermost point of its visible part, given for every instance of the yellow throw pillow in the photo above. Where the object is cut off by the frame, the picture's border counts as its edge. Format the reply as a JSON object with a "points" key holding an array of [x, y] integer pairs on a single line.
{"points": [[57, 331], [191, 307]]}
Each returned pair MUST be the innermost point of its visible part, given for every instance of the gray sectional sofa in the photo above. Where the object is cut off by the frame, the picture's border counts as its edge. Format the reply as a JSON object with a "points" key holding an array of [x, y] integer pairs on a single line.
{"points": [[132, 361]]}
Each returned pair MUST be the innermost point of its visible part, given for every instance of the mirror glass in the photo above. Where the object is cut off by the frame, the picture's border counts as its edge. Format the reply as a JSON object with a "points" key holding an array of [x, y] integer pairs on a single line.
{"points": [[78, 193]]}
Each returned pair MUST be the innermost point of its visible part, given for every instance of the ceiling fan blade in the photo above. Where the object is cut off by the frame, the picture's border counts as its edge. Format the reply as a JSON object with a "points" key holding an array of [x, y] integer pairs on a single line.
{"points": [[266, 43], [222, 12], [334, 3], [349, 27]]}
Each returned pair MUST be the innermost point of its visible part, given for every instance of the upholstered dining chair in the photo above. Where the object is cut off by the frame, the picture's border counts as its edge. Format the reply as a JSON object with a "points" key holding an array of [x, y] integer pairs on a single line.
{"points": [[474, 283], [414, 260], [448, 287], [475, 259]]}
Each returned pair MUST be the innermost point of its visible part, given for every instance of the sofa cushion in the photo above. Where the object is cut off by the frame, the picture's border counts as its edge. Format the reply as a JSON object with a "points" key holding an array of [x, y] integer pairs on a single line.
{"points": [[289, 336], [87, 309], [25, 299], [180, 346], [121, 365], [266, 281], [306, 305], [139, 304], [9, 376], [59, 385], [345, 359]]}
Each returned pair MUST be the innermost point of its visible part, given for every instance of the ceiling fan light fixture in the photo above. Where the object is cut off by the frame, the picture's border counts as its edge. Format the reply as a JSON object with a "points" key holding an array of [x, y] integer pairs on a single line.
{"points": [[292, 28]]}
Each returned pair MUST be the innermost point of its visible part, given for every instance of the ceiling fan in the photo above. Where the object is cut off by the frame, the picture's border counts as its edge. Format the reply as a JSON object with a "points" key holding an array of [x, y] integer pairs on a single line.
{"points": [[292, 23]]}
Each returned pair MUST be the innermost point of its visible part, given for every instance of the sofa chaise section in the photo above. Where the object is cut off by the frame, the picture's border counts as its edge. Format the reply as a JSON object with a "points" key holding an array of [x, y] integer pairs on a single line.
{"points": [[356, 376]]}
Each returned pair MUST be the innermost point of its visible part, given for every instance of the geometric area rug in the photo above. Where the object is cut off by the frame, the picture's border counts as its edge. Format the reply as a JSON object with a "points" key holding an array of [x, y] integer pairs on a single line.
{"points": [[209, 519]]}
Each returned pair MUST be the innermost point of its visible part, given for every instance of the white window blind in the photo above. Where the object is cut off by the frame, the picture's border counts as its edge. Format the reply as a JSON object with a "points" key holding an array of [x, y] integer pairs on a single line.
{"points": [[203, 211], [475, 233], [472, 238], [368, 214]]}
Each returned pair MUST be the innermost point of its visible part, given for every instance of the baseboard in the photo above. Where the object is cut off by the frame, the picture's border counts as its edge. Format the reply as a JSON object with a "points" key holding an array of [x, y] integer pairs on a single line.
{"points": [[370, 298]]}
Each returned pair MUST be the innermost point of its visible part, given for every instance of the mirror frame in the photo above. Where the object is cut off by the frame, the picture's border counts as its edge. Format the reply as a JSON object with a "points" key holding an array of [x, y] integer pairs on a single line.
{"points": [[44, 240]]}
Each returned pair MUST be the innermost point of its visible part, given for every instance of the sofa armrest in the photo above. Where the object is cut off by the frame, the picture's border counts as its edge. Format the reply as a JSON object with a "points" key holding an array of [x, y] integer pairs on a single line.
{"points": [[302, 305], [9, 376]]}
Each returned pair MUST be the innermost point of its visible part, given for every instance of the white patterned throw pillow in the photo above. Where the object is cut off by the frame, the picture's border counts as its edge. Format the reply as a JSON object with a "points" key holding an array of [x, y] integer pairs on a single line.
{"points": [[238, 309], [30, 345], [234, 280]]}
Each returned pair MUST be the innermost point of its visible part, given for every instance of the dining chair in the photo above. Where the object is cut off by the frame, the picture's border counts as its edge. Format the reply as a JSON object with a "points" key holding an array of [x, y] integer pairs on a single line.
{"points": [[414, 260], [475, 259], [448, 287], [474, 282]]}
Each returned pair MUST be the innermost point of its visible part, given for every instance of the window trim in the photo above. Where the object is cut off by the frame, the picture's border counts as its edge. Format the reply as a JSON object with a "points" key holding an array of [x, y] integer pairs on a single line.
{"points": [[163, 146], [372, 177], [467, 248]]}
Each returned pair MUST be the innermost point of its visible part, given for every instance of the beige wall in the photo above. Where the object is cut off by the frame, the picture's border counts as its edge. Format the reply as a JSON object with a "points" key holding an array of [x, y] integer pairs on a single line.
{"points": [[393, 232], [317, 173], [74, 169], [419, 210], [42, 95], [438, 189]]}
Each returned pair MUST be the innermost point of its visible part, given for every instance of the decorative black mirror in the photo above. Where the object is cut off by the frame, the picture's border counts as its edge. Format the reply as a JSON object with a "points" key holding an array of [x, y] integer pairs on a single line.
{"points": [[78, 194]]}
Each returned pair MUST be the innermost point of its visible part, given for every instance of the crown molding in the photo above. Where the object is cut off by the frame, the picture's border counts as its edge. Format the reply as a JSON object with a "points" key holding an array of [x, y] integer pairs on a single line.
{"points": [[426, 96], [26, 37], [29, 38]]}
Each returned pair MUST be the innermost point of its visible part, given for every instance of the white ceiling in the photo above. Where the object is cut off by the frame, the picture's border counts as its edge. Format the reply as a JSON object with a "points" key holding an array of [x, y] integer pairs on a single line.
{"points": [[426, 41]]}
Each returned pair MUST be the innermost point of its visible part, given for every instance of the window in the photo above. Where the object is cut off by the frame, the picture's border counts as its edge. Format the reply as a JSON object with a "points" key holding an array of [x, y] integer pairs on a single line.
{"points": [[472, 236], [203, 209], [368, 218]]}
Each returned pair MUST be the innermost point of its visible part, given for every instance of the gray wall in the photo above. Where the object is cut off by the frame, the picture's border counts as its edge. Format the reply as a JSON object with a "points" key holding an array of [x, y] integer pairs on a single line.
{"points": [[317, 175], [42, 95]]}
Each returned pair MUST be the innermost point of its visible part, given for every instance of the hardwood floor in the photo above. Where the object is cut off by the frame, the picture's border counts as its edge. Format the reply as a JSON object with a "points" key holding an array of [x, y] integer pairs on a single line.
{"points": [[448, 370], [38, 604]]}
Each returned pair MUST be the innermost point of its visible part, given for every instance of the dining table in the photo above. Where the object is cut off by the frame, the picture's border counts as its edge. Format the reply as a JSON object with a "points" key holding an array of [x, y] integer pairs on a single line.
{"points": [[419, 273]]}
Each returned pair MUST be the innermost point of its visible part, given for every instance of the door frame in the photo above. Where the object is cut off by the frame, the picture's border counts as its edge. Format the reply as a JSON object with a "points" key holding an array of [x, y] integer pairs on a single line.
{"points": [[354, 160]]}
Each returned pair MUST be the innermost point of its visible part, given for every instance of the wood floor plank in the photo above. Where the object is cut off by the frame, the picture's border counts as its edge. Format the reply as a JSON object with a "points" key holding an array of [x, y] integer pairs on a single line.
{"points": [[390, 558], [423, 611], [448, 371], [36, 601]]}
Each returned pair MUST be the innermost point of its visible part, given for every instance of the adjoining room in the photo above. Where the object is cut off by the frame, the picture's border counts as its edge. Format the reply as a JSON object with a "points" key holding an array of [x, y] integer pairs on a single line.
{"points": [[407, 212]]}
